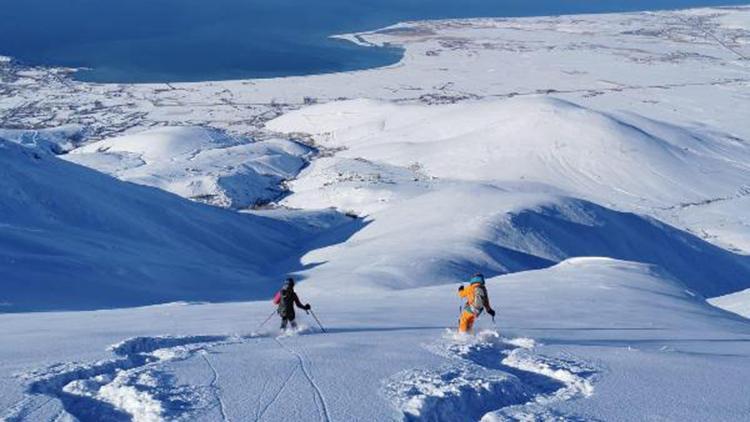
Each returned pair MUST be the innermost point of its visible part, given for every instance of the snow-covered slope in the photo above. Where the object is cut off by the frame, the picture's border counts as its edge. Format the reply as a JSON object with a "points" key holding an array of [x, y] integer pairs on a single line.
{"points": [[494, 186], [440, 236], [622, 160], [74, 238], [589, 339], [198, 163]]}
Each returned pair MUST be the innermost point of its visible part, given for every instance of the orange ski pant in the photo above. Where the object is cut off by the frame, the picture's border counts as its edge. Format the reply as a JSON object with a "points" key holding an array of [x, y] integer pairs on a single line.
{"points": [[466, 322]]}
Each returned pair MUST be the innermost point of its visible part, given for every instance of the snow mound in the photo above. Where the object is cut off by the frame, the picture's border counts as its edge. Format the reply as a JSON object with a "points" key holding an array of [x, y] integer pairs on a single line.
{"points": [[162, 144], [199, 163], [74, 238], [443, 235], [612, 159]]}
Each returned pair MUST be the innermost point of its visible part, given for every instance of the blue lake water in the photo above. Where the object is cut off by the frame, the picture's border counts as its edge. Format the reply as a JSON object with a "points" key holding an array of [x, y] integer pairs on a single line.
{"points": [[196, 40]]}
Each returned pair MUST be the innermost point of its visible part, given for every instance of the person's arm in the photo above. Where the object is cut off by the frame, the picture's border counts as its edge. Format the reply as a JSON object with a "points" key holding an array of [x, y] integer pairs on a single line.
{"points": [[487, 303], [299, 304]]}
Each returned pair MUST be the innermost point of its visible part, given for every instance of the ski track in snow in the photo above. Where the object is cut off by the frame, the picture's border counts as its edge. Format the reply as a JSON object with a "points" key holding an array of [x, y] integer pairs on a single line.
{"points": [[276, 395], [124, 388], [322, 407], [215, 386], [487, 377], [492, 379]]}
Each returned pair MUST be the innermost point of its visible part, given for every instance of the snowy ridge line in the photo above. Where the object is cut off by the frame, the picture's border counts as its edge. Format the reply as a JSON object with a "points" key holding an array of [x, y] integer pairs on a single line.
{"points": [[489, 378], [742, 192], [125, 388]]}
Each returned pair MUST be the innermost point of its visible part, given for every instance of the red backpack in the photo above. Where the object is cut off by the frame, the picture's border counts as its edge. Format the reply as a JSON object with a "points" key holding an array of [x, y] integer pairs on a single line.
{"points": [[277, 298]]}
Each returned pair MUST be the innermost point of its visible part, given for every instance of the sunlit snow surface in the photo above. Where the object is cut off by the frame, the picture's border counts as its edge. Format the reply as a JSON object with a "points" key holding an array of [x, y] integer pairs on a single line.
{"points": [[567, 146], [590, 339]]}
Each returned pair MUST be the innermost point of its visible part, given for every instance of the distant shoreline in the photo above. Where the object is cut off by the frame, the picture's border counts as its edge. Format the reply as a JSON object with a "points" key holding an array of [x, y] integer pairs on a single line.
{"points": [[392, 53]]}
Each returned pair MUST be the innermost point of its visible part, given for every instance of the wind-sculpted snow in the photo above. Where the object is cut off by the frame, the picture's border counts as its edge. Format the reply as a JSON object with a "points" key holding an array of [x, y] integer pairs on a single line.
{"points": [[198, 163], [74, 238]]}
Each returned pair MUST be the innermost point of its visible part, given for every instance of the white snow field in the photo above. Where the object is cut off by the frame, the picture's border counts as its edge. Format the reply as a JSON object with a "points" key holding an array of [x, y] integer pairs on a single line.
{"points": [[588, 339], [595, 168]]}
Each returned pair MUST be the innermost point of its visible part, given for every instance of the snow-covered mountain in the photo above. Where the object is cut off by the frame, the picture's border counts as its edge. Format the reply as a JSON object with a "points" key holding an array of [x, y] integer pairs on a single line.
{"points": [[75, 238], [198, 163], [624, 160], [494, 186]]}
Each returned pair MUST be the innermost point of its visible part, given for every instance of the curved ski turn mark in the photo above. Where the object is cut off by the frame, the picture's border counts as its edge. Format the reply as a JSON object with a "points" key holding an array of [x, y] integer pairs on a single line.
{"points": [[322, 407], [215, 386], [127, 387], [489, 377], [277, 394]]}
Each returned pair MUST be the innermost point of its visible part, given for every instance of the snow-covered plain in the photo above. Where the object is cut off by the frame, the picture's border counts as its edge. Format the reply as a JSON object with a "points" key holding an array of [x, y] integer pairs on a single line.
{"points": [[602, 161]]}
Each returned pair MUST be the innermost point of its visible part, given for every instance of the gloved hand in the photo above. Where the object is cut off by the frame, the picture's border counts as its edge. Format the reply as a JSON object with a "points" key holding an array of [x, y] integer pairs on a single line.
{"points": [[460, 288], [307, 307], [491, 312]]}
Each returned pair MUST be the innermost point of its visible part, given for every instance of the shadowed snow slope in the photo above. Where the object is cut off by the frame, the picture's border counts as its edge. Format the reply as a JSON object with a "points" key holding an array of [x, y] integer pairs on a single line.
{"points": [[441, 236], [624, 160], [74, 238], [198, 163]]}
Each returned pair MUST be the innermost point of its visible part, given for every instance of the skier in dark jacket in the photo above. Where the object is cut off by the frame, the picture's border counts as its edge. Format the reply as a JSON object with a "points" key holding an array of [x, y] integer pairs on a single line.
{"points": [[286, 298]]}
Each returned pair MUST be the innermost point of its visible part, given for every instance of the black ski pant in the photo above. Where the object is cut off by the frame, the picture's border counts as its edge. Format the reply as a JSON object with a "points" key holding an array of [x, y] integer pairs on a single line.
{"points": [[285, 321]]}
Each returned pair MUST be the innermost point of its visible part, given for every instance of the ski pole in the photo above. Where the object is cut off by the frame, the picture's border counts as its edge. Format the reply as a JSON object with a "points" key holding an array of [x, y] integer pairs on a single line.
{"points": [[460, 311], [310, 312], [265, 321]]}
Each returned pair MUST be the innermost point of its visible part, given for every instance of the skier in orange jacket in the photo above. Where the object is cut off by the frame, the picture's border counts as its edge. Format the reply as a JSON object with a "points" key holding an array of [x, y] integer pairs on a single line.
{"points": [[477, 300]]}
